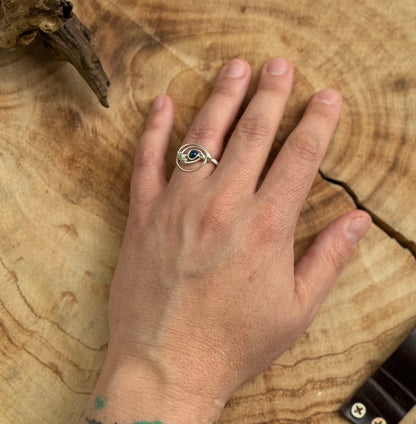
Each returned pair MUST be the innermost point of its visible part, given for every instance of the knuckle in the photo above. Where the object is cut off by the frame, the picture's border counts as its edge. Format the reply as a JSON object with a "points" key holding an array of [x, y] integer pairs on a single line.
{"points": [[216, 217], [337, 258], [305, 146], [267, 214], [273, 86], [199, 132], [254, 129], [146, 158], [153, 125], [215, 220], [224, 90]]}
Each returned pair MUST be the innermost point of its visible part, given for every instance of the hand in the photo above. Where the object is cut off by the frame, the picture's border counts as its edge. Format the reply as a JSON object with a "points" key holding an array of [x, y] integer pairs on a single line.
{"points": [[206, 294]]}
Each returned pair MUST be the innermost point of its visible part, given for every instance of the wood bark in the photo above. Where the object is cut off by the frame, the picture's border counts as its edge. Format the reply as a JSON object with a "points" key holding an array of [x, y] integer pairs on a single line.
{"points": [[65, 165], [67, 38], [72, 43], [20, 21]]}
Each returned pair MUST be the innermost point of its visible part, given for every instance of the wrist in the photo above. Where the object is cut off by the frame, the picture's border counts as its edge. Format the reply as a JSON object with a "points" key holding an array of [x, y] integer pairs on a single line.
{"points": [[135, 391]]}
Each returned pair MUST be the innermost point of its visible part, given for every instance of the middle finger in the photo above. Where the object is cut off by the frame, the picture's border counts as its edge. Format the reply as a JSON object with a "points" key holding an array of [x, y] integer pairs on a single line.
{"points": [[246, 153]]}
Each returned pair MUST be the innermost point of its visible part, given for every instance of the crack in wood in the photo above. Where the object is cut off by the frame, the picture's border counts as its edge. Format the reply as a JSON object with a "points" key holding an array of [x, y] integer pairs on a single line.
{"points": [[377, 220]]}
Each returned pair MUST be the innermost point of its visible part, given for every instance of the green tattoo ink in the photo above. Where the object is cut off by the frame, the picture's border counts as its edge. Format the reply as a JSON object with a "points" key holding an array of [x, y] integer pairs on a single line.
{"points": [[148, 422], [100, 402]]}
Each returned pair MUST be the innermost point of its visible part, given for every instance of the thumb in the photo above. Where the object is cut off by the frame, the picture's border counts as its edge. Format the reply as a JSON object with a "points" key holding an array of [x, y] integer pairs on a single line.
{"points": [[317, 270]]}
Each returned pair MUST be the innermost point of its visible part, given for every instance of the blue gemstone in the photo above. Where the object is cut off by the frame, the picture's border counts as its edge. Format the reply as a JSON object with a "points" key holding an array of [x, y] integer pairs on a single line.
{"points": [[193, 154]]}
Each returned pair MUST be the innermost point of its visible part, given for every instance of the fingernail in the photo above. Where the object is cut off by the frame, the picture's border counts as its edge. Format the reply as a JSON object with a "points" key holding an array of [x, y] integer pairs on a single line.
{"points": [[158, 103], [235, 69], [356, 230], [276, 66], [330, 97]]}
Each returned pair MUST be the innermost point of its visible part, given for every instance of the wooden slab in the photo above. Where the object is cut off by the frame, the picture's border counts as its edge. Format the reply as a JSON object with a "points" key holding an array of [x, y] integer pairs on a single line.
{"points": [[65, 164]]}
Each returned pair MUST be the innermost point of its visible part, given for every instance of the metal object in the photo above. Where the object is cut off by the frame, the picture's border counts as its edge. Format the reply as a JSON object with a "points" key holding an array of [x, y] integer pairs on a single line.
{"points": [[379, 420], [358, 410], [390, 392], [191, 157]]}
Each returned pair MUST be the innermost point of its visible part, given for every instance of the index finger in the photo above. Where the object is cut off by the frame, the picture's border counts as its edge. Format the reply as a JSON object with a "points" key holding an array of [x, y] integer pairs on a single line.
{"points": [[290, 178]]}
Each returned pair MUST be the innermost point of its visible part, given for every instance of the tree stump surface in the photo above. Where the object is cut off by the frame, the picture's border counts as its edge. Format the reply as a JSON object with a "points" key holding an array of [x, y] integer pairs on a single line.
{"points": [[65, 165]]}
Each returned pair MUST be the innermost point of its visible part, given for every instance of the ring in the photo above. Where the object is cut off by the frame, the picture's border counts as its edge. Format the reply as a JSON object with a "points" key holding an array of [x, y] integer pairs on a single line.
{"points": [[194, 157]]}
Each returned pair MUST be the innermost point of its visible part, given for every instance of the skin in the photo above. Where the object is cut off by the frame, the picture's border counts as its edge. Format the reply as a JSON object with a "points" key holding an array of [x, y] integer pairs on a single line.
{"points": [[206, 294]]}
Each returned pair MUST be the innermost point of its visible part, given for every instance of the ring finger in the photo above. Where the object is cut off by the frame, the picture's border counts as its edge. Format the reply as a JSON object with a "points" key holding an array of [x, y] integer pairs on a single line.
{"points": [[216, 116]]}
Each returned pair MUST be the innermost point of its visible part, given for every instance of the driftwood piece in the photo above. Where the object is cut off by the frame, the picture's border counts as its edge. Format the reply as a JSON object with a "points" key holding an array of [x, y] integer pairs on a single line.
{"points": [[20, 21], [71, 43], [61, 31]]}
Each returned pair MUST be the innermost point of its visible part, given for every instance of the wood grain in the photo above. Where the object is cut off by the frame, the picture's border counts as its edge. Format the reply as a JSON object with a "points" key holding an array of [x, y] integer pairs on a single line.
{"points": [[65, 165]]}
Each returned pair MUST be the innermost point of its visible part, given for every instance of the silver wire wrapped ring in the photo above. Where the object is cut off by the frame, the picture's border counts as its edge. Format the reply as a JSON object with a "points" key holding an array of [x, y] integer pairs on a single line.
{"points": [[191, 157]]}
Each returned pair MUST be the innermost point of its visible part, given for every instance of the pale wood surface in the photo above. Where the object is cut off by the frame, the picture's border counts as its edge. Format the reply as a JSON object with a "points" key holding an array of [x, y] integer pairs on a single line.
{"points": [[64, 174]]}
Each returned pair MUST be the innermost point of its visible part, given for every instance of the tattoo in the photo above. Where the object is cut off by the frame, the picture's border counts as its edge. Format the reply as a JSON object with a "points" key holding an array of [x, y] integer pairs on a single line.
{"points": [[147, 422], [89, 421], [93, 421], [100, 402]]}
